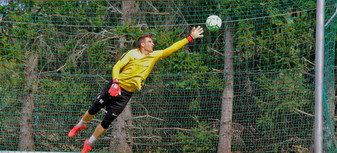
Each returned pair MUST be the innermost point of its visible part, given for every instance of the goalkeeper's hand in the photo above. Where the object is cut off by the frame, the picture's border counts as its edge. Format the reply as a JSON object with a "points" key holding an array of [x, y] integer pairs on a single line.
{"points": [[196, 32], [115, 89]]}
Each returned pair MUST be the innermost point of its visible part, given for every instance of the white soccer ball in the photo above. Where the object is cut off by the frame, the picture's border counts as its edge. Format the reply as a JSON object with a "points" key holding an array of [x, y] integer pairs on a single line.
{"points": [[213, 22]]}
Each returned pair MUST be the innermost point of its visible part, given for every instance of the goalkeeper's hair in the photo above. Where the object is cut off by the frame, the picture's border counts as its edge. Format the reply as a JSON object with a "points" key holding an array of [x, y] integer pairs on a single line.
{"points": [[142, 38]]}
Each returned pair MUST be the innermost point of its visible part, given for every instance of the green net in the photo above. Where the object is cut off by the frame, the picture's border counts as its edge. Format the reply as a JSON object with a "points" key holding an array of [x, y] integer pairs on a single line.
{"points": [[329, 138], [248, 87]]}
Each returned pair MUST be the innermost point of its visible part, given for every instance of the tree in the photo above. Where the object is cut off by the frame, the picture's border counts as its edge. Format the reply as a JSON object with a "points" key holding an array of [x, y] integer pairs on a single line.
{"points": [[225, 134], [119, 143], [26, 128]]}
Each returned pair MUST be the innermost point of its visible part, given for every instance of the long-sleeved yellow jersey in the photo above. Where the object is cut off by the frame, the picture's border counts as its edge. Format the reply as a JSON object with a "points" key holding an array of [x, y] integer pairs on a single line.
{"points": [[134, 67]]}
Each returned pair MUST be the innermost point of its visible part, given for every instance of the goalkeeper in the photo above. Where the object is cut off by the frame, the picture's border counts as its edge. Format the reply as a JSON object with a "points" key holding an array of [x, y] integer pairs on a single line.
{"points": [[128, 74]]}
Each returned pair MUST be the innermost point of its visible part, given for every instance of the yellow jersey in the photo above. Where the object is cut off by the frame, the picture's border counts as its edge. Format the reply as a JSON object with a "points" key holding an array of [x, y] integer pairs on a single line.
{"points": [[134, 67]]}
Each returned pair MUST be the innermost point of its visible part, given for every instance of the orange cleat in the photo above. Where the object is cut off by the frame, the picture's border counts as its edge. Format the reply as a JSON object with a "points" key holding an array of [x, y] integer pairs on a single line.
{"points": [[74, 131], [86, 147]]}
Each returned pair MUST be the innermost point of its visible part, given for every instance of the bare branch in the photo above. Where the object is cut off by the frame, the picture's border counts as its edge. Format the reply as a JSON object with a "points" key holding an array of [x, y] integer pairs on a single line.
{"points": [[173, 128], [154, 8], [114, 8], [145, 116], [140, 137], [308, 74], [217, 51], [73, 57], [313, 64], [157, 13], [302, 112], [105, 80]]}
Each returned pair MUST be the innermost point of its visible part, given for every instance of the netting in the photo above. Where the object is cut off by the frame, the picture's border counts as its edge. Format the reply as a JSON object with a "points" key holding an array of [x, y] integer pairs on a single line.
{"points": [[247, 87]]}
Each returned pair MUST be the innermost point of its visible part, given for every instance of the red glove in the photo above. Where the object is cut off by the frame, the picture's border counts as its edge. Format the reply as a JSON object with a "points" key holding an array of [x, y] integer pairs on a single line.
{"points": [[189, 38], [115, 89]]}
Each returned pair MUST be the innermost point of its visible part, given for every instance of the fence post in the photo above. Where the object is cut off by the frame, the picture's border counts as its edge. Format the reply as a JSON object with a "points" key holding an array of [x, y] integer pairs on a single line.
{"points": [[319, 76]]}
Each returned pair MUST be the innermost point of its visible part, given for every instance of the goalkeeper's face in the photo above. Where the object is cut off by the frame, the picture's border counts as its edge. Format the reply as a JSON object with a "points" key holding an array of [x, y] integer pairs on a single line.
{"points": [[148, 44]]}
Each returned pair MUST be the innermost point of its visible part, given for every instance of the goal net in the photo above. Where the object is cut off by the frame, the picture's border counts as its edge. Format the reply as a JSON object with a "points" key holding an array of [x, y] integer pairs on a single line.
{"points": [[248, 87]]}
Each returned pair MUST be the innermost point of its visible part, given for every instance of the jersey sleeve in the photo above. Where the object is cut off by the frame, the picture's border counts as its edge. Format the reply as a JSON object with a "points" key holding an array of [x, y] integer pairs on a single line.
{"points": [[173, 48], [126, 57], [116, 69]]}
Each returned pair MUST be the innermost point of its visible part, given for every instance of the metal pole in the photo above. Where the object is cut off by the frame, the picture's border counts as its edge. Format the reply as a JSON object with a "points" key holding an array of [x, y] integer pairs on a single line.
{"points": [[319, 76]]}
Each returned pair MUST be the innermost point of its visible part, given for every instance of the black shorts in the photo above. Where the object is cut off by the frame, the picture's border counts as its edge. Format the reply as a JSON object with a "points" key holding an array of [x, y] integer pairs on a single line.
{"points": [[114, 105]]}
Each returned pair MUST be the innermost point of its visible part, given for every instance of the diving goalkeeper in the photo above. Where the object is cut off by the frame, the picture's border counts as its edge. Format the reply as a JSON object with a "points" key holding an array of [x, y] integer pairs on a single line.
{"points": [[128, 75]]}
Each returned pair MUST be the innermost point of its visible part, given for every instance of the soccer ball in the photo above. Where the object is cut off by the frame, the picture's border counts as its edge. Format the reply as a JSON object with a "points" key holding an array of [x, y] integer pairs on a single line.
{"points": [[213, 22]]}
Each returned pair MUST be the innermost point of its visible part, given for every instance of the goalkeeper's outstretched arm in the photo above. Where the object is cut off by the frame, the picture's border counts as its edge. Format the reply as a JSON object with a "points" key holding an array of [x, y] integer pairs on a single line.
{"points": [[195, 33]]}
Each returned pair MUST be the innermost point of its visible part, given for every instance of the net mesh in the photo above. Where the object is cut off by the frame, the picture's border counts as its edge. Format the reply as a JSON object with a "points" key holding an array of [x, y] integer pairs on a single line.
{"points": [[247, 87]]}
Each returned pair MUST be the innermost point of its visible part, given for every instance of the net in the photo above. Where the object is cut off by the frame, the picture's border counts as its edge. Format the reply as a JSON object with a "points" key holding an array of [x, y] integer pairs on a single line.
{"points": [[247, 87]]}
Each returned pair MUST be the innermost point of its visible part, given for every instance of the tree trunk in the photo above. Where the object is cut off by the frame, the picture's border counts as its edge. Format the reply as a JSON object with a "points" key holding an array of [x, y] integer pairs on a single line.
{"points": [[119, 143], [26, 128], [225, 134], [130, 10]]}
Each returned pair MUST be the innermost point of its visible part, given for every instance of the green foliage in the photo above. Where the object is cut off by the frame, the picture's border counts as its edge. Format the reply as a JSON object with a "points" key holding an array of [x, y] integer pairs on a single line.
{"points": [[11, 83], [11, 80], [282, 96], [67, 90], [187, 65], [200, 139]]}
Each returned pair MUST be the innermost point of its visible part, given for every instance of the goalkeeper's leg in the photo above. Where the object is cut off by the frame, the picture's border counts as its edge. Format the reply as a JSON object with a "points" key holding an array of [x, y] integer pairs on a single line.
{"points": [[80, 125], [114, 108], [95, 107]]}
